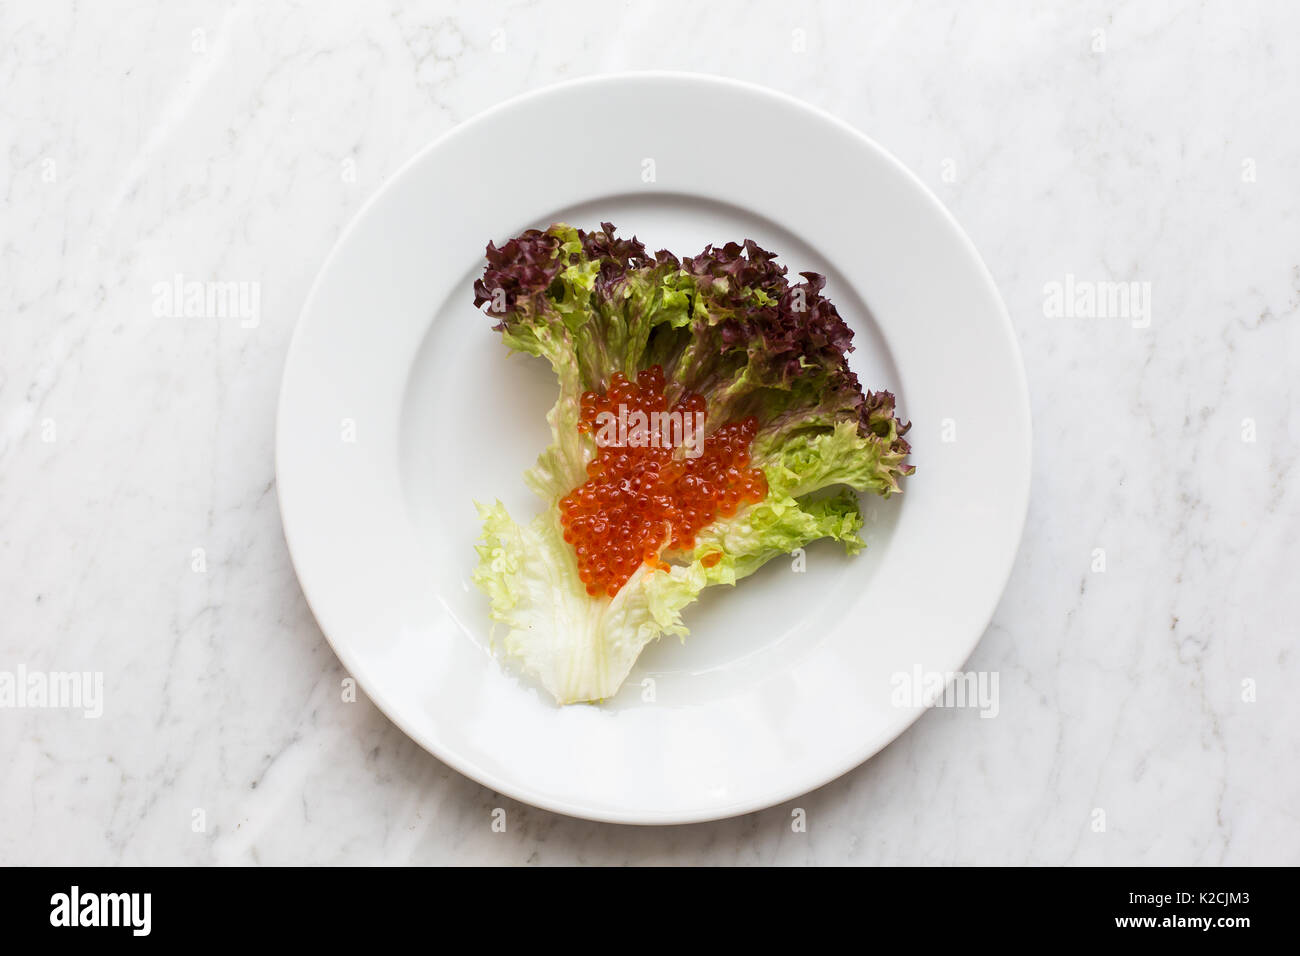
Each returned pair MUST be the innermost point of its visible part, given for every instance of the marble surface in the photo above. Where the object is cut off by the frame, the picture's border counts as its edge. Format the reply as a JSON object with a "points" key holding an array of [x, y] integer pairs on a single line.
{"points": [[1150, 143]]}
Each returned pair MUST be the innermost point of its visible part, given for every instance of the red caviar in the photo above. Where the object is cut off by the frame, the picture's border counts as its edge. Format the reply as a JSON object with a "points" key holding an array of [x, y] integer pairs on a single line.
{"points": [[643, 493]]}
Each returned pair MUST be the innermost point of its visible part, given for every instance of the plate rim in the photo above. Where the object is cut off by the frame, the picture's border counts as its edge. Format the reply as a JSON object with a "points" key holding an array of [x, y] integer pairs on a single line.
{"points": [[779, 794]]}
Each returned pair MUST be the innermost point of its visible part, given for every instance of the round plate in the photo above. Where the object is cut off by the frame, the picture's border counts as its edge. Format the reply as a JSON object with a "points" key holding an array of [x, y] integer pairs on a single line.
{"points": [[400, 407]]}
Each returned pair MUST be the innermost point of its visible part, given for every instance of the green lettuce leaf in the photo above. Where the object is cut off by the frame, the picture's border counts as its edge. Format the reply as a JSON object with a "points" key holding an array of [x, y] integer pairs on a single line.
{"points": [[726, 324]]}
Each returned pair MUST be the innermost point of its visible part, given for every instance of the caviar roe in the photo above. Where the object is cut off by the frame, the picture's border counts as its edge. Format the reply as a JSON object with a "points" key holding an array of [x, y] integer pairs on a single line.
{"points": [[638, 502]]}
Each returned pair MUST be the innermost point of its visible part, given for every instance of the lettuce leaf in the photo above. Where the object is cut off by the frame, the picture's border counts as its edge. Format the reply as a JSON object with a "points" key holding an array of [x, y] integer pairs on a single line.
{"points": [[726, 324]]}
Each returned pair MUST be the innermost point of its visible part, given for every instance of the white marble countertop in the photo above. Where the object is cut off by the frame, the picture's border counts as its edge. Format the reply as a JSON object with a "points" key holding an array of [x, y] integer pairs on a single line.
{"points": [[1151, 143]]}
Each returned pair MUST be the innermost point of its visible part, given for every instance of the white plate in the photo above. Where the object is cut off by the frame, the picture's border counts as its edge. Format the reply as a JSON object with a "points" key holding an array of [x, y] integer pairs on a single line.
{"points": [[787, 680]]}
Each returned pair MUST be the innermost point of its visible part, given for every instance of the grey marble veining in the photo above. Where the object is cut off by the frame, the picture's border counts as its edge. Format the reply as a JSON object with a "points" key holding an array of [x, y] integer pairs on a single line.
{"points": [[139, 536]]}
